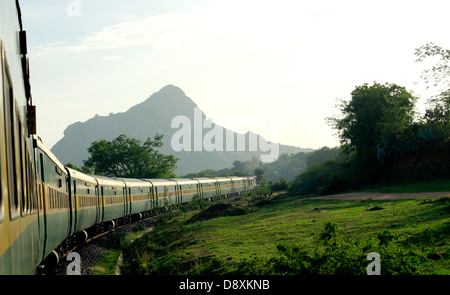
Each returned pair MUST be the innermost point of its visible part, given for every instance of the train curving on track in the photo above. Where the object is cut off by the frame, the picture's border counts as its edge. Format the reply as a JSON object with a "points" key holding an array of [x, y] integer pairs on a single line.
{"points": [[47, 208]]}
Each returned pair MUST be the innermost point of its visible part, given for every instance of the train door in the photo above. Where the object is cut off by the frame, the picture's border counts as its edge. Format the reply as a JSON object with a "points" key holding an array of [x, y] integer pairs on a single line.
{"points": [[99, 205], [129, 201], [152, 198], [74, 200], [42, 207], [102, 201]]}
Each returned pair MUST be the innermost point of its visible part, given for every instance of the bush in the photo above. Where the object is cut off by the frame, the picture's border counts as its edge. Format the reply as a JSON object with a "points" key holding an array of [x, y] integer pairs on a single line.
{"points": [[236, 211], [196, 203], [279, 186], [335, 254]]}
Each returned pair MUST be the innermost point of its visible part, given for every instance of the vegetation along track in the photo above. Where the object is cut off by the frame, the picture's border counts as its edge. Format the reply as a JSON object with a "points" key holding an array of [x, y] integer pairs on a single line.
{"points": [[92, 252], [94, 249]]}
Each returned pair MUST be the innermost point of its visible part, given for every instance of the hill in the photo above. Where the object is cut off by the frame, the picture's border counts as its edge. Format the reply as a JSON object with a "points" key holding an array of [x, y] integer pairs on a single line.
{"points": [[155, 115]]}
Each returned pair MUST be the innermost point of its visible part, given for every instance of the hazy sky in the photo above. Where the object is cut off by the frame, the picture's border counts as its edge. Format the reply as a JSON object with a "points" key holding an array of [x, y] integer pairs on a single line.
{"points": [[278, 63]]}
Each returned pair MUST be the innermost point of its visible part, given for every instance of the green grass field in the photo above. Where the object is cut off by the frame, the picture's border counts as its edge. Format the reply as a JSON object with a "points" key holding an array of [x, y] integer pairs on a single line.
{"points": [[291, 235]]}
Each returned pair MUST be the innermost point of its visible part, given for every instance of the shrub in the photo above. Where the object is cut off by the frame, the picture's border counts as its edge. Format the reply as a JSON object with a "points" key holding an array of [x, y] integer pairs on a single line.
{"points": [[335, 254]]}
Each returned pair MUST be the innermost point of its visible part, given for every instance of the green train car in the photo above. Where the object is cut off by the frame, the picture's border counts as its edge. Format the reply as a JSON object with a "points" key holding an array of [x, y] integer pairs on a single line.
{"points": [[208, 187], [238, 185], [85, 202], [47, 208], [19, 225], [165, 192], [224, 186], [140, 196], [115, 204], [187, 189], [53, 191]]}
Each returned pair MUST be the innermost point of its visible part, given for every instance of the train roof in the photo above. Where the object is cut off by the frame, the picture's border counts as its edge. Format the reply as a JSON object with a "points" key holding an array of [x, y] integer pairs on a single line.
{"points": [[107, 181], [81, 176], [132, 182], [40, 144], [223, 178], [160, 182], [234, 178], [205, 180], [181, 181]]}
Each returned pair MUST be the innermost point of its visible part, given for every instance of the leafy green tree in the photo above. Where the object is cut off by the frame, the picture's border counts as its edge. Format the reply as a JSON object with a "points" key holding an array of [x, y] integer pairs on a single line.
{"points": [[128, 157], [373, 112], [322, 155], [260, 179], [286, 166], [438, 114]]}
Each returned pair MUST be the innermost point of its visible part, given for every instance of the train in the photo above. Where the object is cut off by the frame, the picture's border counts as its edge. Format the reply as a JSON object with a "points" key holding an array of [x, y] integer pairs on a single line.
{"points": [[46, 207]]}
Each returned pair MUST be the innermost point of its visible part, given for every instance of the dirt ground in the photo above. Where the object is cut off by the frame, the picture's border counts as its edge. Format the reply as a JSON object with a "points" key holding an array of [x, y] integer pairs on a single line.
{"points": [[382, 196]]}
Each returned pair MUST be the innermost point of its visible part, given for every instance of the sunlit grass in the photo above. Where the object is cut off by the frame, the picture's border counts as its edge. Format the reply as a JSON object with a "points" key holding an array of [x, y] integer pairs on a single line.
{"points": [[218, 245]]}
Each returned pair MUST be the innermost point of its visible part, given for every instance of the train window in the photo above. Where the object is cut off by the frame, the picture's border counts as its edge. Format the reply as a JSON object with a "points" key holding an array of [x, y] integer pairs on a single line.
{"points": [[11, 152], [39, 193], [32, 195], [41, 158], [27, 181], [74, 187], [23, 172]]}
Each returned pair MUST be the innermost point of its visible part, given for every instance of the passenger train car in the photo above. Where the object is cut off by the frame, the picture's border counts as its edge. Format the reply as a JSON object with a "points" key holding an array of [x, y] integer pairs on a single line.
{"points": [[47, 208]]}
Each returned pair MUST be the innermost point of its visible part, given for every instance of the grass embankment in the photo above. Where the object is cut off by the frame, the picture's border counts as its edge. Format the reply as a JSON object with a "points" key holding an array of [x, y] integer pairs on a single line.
{"points": [[290, 235]]}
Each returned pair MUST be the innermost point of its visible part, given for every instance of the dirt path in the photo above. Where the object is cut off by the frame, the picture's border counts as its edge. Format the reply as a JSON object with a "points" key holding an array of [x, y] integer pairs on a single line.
{"points": [[382, 196]]}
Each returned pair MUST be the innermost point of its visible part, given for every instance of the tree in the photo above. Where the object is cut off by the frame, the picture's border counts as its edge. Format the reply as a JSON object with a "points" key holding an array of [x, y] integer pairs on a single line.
{"points": [[373, 113], [259, 173], [322, 155], [438, 114], [128, 157]]}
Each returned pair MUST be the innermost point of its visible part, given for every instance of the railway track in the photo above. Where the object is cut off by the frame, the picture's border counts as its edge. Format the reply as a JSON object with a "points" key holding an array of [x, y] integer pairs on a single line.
{"points": [[94, 248]]}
